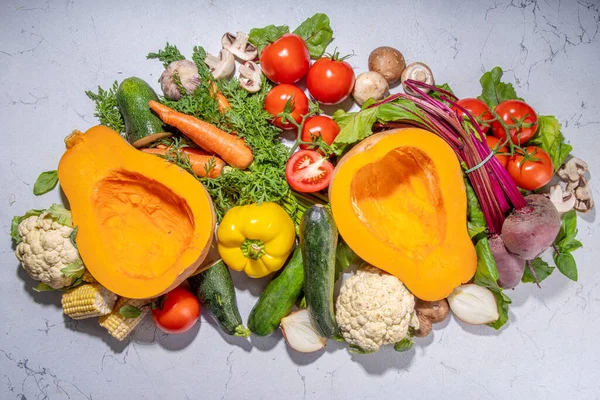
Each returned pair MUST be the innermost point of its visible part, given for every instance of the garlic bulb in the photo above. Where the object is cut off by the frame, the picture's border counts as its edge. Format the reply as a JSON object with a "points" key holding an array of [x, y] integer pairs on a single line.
{"points": [[474, 304], [186, 72], [300, 333]]}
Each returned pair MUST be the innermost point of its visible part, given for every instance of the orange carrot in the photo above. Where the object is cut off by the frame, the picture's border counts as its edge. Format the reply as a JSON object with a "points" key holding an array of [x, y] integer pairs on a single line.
{"points": [[222, 102], [199, 160], [233, 150]]}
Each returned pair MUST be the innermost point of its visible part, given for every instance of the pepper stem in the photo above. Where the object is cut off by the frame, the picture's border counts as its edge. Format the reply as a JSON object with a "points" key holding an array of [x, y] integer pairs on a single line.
{"points": [[253, 249]]}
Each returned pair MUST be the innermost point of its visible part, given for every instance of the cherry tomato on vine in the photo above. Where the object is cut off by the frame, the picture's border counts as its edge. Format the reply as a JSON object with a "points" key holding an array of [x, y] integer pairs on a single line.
{"points": [[477, 108], [286, 60], [330, 80], [279, 96], [511, 111], [494, 145], [307, 171], [179, 312], [531, 171], [319, 126]]}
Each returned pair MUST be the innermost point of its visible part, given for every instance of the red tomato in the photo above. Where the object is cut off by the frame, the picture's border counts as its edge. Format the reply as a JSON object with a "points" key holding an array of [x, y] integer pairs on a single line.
{"points": [[531, 174], [286, 60], [494, 145], [329, 80], [307, 171], [279, 96], [180, 311], [319, 125], [477, 108], [509, 111]]}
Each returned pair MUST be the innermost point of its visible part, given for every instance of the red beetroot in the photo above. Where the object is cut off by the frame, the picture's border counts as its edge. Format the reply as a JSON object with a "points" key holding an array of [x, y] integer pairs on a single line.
{"points": [[510, 267]]}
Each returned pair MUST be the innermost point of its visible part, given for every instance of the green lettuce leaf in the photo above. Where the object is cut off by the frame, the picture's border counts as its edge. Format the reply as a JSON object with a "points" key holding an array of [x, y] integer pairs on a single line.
{"points": [[45, 182], [262, 37], [317, 34], [551, 140], [494, 91], [540, 267]]}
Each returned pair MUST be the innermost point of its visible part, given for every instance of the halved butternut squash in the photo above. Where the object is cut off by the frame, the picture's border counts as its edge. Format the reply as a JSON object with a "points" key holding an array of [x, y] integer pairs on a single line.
{"points": [[399, 201], [143, 224]]}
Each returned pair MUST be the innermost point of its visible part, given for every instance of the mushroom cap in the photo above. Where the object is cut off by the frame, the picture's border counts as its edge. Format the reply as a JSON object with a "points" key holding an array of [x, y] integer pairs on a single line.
{"points": [[239, 46], [419, 72], [222, 66], [387, 61], [368, 85], [250, 76]]}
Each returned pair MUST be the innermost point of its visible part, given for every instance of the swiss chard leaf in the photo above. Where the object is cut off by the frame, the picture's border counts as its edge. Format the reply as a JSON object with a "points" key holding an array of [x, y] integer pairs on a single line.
{"points": [[551, 140], [262, 37], [317, 34], [540, 267], [14, 226], [494, 91], [45, 182]]}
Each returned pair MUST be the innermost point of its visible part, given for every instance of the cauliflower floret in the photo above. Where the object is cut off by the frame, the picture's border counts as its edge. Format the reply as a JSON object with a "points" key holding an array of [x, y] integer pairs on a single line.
{"points": [[374, 308], [45, 248]]}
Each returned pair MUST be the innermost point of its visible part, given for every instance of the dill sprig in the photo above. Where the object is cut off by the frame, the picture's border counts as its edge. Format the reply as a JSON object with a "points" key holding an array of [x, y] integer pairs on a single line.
{"points": [[107, 108]]}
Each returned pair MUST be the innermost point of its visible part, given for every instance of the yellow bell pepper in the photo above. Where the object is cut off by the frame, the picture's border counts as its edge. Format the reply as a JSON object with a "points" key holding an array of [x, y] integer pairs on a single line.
{"points": [[256, 239]]}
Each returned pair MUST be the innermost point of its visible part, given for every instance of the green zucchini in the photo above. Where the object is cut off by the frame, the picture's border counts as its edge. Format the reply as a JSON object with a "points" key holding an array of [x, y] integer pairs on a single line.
{"points": [[133, 96], [214, 288], [318, 241], [278, 298]]}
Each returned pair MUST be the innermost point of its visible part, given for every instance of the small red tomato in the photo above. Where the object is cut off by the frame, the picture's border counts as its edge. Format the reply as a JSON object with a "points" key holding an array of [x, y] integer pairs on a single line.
{"points": [[286, 60], [478, 109], [511, 111], [494, 145], [319, 126], [180, 311], [279, 96], [307, 171], [531, 172], [330, 80]]}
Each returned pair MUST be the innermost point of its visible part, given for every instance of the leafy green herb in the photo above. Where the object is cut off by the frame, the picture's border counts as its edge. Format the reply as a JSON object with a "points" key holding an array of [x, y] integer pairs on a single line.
{"points": [[541, 269], [317, 34], [60, 214], [129, 311], [14, 226], [404, 345], [565, 262], [262, 37], [551, 140], [74, 270], [107, 107], [45, 182], [494, 91], [565, 243], [503, 301], [42, 287], [167, 56]]}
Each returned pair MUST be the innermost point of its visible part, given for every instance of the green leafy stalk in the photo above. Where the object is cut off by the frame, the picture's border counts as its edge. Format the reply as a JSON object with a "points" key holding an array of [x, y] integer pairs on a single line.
{"points": [[564, 244], [45, 182], [107, 107]]}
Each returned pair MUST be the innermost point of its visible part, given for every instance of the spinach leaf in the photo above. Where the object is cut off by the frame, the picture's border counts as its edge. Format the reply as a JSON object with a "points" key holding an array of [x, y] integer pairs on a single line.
{"points": [[262, 37], [551, 140], [494, 91], [540, 267], [45, 182], [317, 34]]}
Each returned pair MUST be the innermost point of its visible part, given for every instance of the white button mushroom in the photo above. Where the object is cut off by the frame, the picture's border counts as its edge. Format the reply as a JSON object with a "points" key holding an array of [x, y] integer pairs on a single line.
{"points": [[239, 46], [417, 71], [250, 76], [222, 67], [369, 85]]}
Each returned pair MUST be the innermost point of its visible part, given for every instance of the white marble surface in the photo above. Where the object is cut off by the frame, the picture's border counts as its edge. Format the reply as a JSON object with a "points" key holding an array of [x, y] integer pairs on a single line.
{"points": [[50, 52]]}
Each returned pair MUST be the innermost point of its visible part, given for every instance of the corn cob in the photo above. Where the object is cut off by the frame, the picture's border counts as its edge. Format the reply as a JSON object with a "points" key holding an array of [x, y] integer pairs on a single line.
{"points": [[87, 277], [86, 301], [118, 325]]}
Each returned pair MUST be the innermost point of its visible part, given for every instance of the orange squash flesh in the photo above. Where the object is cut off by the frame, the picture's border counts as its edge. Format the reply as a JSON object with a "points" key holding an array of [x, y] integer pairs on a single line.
{"points": [[144, 225], [399, 201]]}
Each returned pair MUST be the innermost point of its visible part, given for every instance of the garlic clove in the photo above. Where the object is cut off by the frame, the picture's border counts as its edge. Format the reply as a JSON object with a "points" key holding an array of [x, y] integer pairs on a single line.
{"points": [[300, 333], [473, 304]]}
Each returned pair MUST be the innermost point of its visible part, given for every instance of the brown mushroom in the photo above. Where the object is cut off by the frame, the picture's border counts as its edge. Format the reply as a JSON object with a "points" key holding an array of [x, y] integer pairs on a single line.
{"points": [[435, 311], [387, 61], [425, 326]]}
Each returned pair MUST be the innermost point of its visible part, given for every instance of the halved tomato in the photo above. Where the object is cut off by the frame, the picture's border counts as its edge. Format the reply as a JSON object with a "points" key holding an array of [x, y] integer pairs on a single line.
{"points": [[307, 171]]}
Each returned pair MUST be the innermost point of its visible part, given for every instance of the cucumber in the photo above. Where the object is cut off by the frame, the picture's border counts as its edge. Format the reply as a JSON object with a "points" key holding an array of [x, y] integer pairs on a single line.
{"points": [[278, 298], [133, 96], [318, 241], [214, 289]]}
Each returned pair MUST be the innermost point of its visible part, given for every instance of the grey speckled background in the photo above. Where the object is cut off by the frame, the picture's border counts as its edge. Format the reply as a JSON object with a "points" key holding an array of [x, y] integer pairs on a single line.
{"points": [[50, 52]]}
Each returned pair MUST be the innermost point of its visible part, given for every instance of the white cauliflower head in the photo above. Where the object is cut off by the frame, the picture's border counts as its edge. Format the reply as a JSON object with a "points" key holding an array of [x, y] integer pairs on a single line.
{"points": [[374, 308], [45, 248]]}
